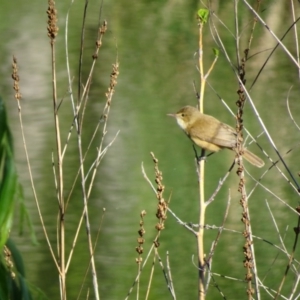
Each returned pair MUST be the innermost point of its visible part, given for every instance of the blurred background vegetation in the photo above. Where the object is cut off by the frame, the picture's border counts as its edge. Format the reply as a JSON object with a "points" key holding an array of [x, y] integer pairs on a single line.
{"points": [[156, 44]]}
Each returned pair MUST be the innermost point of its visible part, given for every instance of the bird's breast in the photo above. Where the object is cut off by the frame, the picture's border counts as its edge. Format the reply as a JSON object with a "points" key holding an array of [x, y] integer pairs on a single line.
{"points": [[182, 124]]}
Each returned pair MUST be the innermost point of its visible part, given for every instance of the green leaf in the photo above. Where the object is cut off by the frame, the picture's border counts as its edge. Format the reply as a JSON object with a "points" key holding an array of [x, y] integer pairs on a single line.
{"points": [[3, 124], [4, 286], [8, 178], [203, 15], [216, 52]]}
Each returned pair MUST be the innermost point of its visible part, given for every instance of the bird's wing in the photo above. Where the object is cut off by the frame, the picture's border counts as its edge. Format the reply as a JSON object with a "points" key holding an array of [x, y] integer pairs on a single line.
{"points": [[219, 133]]}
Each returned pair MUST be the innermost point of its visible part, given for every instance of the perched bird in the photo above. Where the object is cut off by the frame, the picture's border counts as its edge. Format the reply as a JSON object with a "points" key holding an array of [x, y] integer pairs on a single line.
{"points": [[209, 133]]}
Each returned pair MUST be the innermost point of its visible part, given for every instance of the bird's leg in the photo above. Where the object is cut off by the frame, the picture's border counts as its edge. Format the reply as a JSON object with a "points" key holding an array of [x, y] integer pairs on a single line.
{"points": [[231, 167], [201, 156], [195, 150]]}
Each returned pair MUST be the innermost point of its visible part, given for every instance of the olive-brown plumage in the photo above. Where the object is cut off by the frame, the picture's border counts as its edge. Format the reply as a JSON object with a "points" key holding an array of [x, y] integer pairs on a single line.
{"points": [[209, 133]]}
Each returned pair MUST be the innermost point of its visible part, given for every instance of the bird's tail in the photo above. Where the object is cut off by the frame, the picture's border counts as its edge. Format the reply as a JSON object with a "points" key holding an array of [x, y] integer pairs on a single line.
{"points": [[253, 159]]}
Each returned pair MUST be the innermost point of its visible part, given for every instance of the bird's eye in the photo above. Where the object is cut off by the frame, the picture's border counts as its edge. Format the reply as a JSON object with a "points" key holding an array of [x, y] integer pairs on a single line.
{"points": [[182, 115]]}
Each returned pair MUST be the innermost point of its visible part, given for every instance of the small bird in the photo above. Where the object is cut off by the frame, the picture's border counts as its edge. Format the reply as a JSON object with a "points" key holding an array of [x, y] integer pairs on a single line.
{"points": [[209, 133]]}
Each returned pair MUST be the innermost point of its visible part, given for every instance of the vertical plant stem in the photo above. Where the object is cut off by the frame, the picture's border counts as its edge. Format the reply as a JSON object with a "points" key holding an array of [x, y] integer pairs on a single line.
{"points": [[59, 180], [87, 221], [200, 167], [201, 70], [52, 33], [18, 97], [200, 234], [85, 193], [292, 256]]}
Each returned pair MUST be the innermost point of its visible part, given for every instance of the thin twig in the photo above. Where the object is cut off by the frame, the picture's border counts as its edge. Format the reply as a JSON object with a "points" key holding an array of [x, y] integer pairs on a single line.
{"points": [[221, 182], [166, 276], [221, 228], [297, 231], [139, 274], [272, 33], [289, 110], [95, 244], [170, 277], [18, 98]]}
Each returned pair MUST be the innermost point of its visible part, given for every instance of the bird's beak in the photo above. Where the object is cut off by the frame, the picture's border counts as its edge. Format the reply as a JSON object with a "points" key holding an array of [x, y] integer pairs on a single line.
{"points": [[172, 115]]}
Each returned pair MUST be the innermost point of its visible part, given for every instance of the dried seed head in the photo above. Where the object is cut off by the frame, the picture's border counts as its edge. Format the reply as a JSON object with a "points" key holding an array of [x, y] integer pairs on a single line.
{"points": [[139, 249], [52, 20], [140, 240], [138, 260], [16, 78], [142, 231]]}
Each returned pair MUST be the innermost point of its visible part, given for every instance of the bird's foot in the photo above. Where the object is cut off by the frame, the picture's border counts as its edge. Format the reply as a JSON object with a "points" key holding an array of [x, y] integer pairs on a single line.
{"points": [[200, 157]]}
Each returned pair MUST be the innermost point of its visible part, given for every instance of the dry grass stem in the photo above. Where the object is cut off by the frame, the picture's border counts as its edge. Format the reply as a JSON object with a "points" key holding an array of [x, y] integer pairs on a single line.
{"points": [[291, 258], [274, 195], [168, 208], [18, 97], [248, 248], [221, 228], [165, 272], [139, 249], [147, 178], [277, 229], [258, 17], [221, 182], [52, 33], [180, 222], [289, 110], [95, 244], [172, 289], [141, 270], [151, 274], [201, 172], [87, 85]]}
